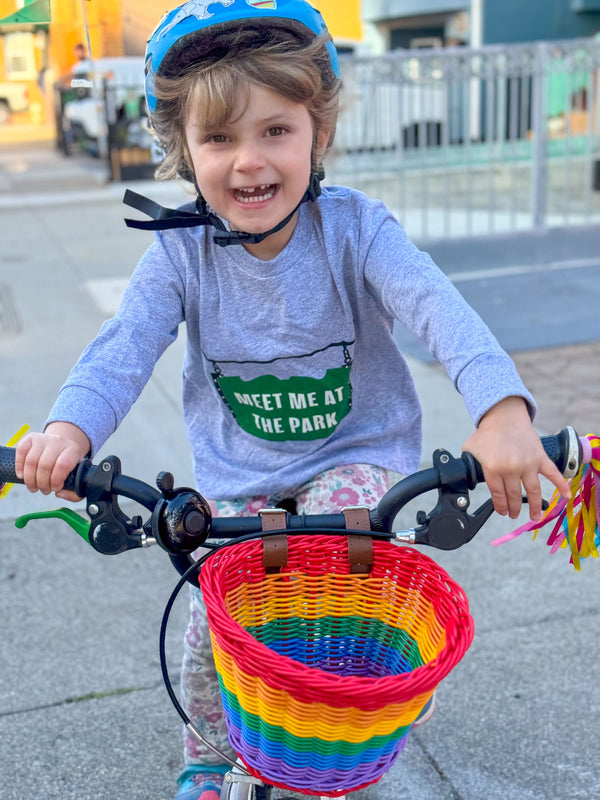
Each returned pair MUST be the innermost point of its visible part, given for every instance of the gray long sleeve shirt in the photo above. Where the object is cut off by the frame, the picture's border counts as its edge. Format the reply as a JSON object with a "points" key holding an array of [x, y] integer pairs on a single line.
{"points": [[290, 364]]}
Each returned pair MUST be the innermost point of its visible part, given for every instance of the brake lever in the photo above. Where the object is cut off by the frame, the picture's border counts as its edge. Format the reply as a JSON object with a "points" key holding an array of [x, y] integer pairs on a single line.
{"points": [[449, 525], [111, 531], [450, 528]]}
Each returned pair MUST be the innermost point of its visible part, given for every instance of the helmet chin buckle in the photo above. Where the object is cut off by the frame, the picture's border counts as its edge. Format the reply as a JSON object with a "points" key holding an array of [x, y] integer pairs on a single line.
{"points": [[314, 184]]}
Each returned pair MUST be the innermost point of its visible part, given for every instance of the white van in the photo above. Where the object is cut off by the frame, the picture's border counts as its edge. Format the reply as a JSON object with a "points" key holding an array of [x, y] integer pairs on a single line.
{"points": [[123, 78]]}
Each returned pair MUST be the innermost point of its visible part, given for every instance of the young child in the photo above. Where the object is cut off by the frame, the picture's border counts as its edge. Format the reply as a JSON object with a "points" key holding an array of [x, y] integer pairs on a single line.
{"points": [[293, 386]]}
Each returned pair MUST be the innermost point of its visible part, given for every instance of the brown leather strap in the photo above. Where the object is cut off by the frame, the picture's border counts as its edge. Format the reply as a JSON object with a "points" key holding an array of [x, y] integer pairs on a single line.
{"points": [[360, 554], [275, 552], [275, 548], [360, 548]]}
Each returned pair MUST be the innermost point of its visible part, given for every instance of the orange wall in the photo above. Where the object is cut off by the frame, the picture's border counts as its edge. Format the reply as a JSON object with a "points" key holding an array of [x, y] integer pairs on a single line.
{"points": [[140, 17], [7, 7], [68, 29], [106, 29], [342, 17]]}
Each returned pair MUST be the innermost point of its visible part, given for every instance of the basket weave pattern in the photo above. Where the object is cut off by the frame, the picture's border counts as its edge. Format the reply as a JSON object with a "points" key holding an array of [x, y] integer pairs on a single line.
{"points": [[323, 672]]}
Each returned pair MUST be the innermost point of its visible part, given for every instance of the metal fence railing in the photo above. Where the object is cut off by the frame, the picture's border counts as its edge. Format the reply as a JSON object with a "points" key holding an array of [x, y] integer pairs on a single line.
{"points": [[457, 141], [462, 142]]}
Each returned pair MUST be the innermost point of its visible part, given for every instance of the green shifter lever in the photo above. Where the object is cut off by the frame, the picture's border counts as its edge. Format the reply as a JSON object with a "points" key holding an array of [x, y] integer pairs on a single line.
{"points": [[78, 523]]}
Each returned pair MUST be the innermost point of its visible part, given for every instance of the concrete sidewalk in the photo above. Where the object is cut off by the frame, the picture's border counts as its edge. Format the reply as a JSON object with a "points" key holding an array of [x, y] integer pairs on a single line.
{"points": [[83, 714]]}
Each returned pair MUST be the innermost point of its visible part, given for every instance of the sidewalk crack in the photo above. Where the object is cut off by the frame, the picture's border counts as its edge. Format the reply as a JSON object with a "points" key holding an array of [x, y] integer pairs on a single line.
{"points": [[454, 793], [83, 698]]}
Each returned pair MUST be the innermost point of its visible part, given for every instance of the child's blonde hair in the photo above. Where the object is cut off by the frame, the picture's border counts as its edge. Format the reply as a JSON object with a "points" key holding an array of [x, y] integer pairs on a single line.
{"points": [[300, 72]]}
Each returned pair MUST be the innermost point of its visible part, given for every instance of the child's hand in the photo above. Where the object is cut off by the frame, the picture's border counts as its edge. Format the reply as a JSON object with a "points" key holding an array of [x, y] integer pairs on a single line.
{"points": [[43, 460], [511, 455]]}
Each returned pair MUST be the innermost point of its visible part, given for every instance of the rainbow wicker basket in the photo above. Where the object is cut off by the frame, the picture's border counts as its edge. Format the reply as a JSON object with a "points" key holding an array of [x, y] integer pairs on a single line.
{"points": [[323, 672]]}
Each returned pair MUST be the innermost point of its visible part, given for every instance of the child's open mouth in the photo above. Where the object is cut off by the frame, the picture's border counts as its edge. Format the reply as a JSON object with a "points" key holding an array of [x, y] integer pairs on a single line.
{"points": [[255, 194]]}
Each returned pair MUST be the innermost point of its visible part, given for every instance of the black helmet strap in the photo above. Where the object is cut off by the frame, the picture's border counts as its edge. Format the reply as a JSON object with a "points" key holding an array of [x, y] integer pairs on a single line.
{"points": [[164, 218]]}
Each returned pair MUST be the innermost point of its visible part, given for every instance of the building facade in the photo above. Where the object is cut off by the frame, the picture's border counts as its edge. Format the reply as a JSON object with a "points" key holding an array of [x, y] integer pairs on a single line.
{"points": [[391, 24]]}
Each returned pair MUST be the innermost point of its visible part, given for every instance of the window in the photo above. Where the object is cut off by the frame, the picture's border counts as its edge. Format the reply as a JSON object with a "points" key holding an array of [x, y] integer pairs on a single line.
{"points": [[19, 56]]}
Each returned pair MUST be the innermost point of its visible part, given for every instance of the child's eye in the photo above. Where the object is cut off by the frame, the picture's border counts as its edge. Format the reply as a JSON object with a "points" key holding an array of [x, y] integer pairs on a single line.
{"points": [[276, 130], [217, 138]]}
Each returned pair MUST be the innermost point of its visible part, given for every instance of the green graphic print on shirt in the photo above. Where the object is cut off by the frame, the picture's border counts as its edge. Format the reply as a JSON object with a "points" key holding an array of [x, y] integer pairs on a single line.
{"points": [[286, 409]]}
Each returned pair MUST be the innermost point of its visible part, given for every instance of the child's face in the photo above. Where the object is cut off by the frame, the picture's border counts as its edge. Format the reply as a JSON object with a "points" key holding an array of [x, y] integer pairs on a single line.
{"points": [[255, 169]]}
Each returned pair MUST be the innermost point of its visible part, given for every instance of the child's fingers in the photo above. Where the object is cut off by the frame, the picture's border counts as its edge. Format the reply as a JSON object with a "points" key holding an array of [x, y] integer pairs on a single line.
{"points": [[495, 484], [70, 496], [506, 490], [43, 462], [514, 494], [507, 493], [32, 476], [64, 464], [38, 467], [533, 490], [21, 451], [55, 463], [549, 470]]}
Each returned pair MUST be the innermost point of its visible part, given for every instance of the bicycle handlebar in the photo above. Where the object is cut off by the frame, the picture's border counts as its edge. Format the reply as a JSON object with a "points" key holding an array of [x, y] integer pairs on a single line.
{"points": [[181, 521]]}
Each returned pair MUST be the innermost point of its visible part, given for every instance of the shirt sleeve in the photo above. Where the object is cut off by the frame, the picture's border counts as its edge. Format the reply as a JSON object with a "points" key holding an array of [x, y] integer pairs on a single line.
{"points": [[413, 290], [112, 371]]}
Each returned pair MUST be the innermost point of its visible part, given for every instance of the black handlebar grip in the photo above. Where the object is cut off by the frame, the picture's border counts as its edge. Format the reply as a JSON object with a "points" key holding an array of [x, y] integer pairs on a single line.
{"points": [[7, 466], [554, 449], [563, 449], [7, 470]]}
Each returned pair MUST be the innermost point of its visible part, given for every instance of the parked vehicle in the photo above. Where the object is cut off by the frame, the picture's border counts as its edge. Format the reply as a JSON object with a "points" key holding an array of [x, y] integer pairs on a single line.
{"points": [[101, 92], [13, 98]]}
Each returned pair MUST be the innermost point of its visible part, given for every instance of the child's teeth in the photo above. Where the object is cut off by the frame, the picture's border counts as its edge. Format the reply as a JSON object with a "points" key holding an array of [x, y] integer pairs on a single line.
{"points": [[255, 194]]}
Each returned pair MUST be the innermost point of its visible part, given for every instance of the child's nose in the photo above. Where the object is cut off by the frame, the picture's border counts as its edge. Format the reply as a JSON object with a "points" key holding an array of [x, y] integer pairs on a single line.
{"points": [[249, 157]]}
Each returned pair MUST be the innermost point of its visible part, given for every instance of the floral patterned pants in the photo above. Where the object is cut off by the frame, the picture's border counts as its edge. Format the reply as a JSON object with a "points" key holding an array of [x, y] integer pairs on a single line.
{"points": [[328, 492]]}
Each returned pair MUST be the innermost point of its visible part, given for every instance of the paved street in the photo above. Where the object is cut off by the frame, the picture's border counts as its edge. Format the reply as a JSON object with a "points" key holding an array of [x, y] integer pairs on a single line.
{"points": [[83, 713]]}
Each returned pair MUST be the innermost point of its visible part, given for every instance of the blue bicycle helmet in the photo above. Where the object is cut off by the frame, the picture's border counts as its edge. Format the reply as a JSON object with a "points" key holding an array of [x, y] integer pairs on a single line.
{"points": [[186, 34]]}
